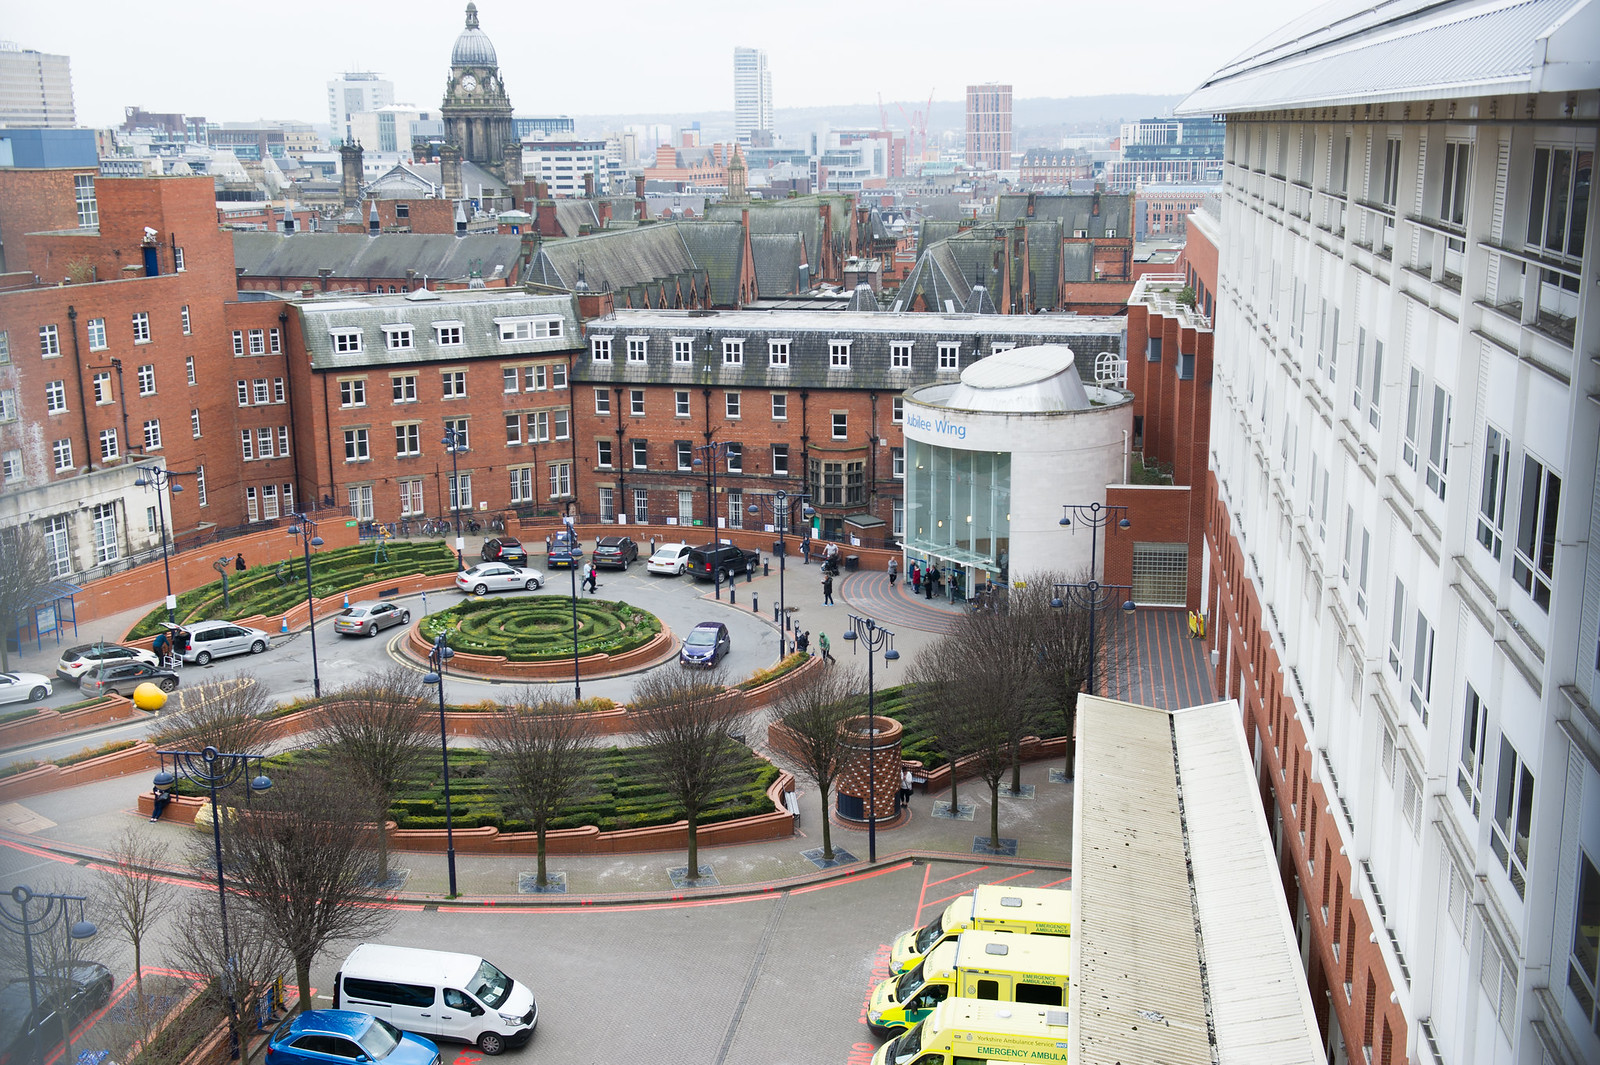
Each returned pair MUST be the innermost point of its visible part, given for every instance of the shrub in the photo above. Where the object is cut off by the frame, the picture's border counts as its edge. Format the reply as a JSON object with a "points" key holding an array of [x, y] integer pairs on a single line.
{"points": [[18, 767], [540, 629], [95, 752], [772, 673]]}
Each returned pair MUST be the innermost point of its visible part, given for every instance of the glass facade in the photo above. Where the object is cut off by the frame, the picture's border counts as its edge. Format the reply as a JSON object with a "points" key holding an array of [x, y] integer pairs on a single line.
{"points": [[958, 508]]}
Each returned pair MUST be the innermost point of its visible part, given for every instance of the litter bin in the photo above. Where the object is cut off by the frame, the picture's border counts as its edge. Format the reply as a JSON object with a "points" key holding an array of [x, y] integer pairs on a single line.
{"points": [[777, 547], [852, 562]]}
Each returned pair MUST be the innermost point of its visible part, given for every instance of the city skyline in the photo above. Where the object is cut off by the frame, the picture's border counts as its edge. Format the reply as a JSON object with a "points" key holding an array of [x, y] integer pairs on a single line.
{"points": [[189, 61]]}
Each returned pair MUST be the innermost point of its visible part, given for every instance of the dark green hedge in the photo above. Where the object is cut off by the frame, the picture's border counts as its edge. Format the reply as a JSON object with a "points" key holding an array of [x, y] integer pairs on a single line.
{"points": [[917, 739], [539, 628]]}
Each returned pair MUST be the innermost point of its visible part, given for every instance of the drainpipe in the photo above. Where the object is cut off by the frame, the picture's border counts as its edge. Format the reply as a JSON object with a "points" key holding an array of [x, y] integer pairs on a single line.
{"points": [[1127, 457], [83, 402], [122, 401], [288, 380]]}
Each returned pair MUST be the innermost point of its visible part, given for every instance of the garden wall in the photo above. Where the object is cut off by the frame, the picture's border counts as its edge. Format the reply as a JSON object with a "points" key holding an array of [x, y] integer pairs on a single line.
{"points": [[552, 670], [52, 724], [533, 532]]}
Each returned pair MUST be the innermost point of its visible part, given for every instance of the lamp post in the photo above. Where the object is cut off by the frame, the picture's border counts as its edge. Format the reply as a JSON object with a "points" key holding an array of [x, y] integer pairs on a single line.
{"points": [[212, 769], [1092, 595], [305, 528], [864, 632], [455, 440], [441, 654], [709, 454], [572, 566], [781, 502], [1094, 517], [160, 478], [54, 912]]}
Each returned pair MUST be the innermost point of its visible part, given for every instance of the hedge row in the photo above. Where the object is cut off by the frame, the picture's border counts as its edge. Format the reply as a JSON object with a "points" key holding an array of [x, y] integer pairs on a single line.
{"points": [[539, 628], [918, 741], [274, 589]]}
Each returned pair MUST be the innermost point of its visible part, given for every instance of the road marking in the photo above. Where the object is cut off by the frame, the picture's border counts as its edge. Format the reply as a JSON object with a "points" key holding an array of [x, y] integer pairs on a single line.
{"points": [[750, 979]]}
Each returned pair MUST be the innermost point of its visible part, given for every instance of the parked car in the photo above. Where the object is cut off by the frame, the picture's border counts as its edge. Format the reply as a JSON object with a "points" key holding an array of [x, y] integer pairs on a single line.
{"points": [[705, 645], [488, 577], [670, 559], [564, 551], [121, 678], [618, 551], [507, 549], [25, 687], [76, 661], [205, 640], [317, 1037], [707, 561], [367, 617], [29, 1034]]}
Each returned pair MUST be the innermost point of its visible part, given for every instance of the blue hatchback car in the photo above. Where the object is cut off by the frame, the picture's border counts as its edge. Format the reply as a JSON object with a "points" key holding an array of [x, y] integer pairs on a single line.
{"points": [[705, 645], [317, 1037]]}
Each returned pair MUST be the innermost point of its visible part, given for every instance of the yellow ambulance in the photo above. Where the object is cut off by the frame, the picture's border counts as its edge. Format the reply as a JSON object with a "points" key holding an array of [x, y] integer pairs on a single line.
{"points": [[994, 966], [992, 907], [960, 1031]]}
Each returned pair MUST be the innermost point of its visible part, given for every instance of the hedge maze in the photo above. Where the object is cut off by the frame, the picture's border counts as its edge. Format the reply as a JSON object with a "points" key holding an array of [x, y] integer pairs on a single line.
{"points": [[539, 628]]}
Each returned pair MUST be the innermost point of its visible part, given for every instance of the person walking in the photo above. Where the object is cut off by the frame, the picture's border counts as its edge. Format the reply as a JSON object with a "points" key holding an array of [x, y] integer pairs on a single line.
{"points": [[905, 785], [827, 591], [802, 642], [239, 563], [827, 648], [916, 578], [805, 550], [894, 571], [591, 578]]}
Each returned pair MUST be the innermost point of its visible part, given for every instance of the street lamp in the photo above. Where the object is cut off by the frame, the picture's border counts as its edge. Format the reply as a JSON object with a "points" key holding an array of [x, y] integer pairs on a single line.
{"points": [[437, 657], [709, 455], [27, 925], [864, 632], [781, 502], [305, 528], [455, 440], [572, 566], [1091, 595], [1094, 517], [160, 478], [212, 770]]}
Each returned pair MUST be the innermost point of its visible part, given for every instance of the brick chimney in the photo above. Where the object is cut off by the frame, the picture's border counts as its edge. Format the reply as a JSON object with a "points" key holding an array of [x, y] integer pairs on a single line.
{"points": [[450, 171], [588, 185], [639, 206], [513, 168], [350, 174]]}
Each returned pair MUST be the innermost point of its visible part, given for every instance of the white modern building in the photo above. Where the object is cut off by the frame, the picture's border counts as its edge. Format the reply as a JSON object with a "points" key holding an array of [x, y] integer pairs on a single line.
{"points": [[352, 92], [752, 93], [562, 164], [394, 128], [1404, 555], [35, 88]]}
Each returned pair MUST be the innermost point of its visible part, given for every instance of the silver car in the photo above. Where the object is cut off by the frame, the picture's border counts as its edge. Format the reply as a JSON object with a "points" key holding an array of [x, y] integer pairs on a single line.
{"points": [[488, 577], [366, 618], [205, 640]]}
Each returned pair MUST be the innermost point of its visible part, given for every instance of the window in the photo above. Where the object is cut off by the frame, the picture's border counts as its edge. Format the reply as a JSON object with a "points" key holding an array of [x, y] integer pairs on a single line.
{"points": [[200, 487], [57, 546], [1583, 963], [1422, 666], [447, 334], [247, 443], [55, 397], [558, 375], [141, 327], [8, 405], [680, 400], [528, 328], [897, 461], [453, 384], [5, 346], [274, 341], [408, 439], [405, 387], [460, 491], [264, 447], [147, 380], [533, 378], [897, 410], [735, 453], [188, 369], [1391, 173], [101, 383], [636, 402], [238, 341], [732, 352], [11, 465], [258, 390], [360, 499], [88, 207], [830, 477], [277, 390], [1533, 563], [1474, 739], [600, 349], [458, 426], [1397, 631], [251, 510], [839, 354], [398, 337], [780, 406], [641, 454], [1513, 816], [152, 434], [1558, 202], [1492, 497], [269, 502], [562, 421], [735, 510], [1408, 447], [731, 403], [49, 342], [778, 353], [351, 393], [1317, 501], [62, 452], [682, 350], [521, 484], [899, 520], [900, 356], [560, 479], [283, 440], [355, 445], [603, 454], [109, 448], [950, 355], [97, 334], [510, 378], [638, 349], [780, 460], [685, 455], [602, 401], [538, 427], [641, 506], [177, 259], [841, 425], [194, 422], [1439, 443], [105, 533], [345, 342], [258, 342], [183, 318], [1374, 391]]}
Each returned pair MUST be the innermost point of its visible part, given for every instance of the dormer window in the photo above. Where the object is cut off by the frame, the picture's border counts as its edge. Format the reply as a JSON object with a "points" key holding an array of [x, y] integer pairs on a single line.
{"points": [[397, 337], [346, 341], [447, 334], [542, 328]]}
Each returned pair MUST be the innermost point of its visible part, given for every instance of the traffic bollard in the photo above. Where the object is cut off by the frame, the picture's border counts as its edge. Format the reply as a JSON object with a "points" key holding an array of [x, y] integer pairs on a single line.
{"points": [[755, 602]]}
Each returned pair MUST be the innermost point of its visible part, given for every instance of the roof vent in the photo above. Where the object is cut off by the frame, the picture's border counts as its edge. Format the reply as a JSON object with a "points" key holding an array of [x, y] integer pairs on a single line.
{"points": [[1011, 900], [996, 948], [1056, 1017]]}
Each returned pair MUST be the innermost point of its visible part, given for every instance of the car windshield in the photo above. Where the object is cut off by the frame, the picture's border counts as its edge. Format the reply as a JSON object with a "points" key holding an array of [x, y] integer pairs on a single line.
{"points": [[702, 637], [379, 1039], [491, 986], [906, 986], [929, 933]]}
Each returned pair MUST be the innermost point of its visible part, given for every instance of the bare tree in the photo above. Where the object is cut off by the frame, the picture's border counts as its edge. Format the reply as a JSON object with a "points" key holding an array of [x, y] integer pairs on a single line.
{"points": [[133, 891], [935, 685], [24, 571], [541, 750], [304, 866], [227, 713], [377, 731], [813, 708], [1070, 655], [976, 696], [686, 727], [255, 958]]}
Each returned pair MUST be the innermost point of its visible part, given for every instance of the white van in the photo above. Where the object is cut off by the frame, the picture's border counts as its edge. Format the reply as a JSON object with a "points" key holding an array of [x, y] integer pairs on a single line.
{"points": [[438, 995]]}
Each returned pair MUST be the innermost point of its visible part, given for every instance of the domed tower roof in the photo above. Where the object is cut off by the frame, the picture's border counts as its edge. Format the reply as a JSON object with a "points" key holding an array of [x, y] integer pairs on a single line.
{"points": [[473, 48]]}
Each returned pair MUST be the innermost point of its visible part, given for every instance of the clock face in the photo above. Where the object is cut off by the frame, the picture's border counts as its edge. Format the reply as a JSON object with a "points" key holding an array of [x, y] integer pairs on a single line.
{"points": [[469, 84]]}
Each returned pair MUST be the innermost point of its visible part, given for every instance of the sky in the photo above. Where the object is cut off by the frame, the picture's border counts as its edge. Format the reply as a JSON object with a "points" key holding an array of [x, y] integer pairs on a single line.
{"points": [[232, 61]]}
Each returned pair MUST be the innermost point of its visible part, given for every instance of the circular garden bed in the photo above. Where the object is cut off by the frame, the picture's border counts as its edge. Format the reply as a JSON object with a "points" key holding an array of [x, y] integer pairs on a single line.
{"points": [[539, 628]]}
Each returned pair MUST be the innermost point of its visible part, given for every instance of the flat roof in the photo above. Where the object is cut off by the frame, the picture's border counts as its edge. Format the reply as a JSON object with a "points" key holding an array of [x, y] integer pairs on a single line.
{"points": [[791, 321]]}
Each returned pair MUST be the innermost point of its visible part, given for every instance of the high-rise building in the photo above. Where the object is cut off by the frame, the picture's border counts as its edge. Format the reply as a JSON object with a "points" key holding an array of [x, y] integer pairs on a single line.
{"points": [[351, 93], [752, 93], [35, 88], [1167, 151], [989, 126], [1404, 555]]}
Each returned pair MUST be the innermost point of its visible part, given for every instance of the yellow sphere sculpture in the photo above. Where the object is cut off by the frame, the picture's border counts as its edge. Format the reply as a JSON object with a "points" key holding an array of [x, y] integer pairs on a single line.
{"points": [[149, 697]]}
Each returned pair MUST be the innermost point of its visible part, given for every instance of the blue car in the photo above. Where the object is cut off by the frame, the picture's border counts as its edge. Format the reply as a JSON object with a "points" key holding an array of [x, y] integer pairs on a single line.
{"points": [[317, 1037], [705, 645]]}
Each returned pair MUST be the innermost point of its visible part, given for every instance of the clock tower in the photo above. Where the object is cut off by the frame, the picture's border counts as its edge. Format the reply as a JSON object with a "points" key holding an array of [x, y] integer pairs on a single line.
{"points": [[476, 109]]}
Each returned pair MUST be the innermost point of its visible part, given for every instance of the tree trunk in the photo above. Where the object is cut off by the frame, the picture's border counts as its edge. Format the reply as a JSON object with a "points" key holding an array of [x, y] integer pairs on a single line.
{"points": [[827, 835], [540, 880], [994, 815], [302, 976], [955, 801], [383, 844], [138, 970], [694, 849], [1016, 769]]}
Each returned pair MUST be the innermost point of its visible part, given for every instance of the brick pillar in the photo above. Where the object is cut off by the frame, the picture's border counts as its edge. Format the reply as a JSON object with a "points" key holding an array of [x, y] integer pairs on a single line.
{"points": [[853, 802]]}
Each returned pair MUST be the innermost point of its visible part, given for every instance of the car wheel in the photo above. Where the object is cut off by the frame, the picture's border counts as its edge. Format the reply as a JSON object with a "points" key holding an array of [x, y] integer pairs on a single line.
{"points": [[203, 658], [38, 693], [169, 684], [257, 647], [480, 589], [491, 1043], [533, 584], [405, 617], [372, 630]]}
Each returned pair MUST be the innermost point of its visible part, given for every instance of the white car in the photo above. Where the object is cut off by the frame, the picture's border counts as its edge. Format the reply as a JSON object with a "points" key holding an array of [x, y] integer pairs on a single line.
{"points": [[25, 687], [671, 559], [76, 661], [205, 640], [488, 577]]}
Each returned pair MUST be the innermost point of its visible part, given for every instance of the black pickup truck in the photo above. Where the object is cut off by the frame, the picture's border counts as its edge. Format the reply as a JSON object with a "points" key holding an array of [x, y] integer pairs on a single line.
{"points": [[708, 560]]}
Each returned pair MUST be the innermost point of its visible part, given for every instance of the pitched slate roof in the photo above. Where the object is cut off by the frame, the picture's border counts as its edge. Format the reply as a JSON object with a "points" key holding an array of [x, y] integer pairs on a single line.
{"points": [[718, 249], [778, 258], [355, 255], [1074, 211], [614, 259], [573, 215]]}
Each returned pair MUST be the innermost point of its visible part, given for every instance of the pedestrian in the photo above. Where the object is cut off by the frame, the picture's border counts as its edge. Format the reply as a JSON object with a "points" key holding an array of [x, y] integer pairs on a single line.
{"points": [[833, 555], [827, 648], [894, 571], [827, 591], [238, 562], [158, 803], [905, 785], [916, 578], [805, 550], [652, 546], [802, 642], [593, 578], [547, 544], [928, 580], [159, 646]]}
